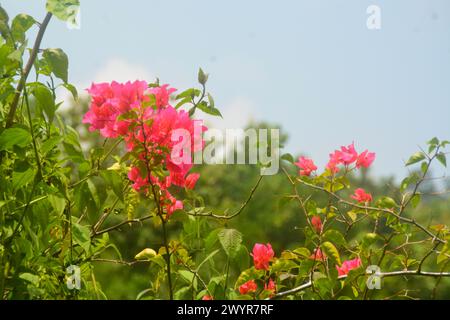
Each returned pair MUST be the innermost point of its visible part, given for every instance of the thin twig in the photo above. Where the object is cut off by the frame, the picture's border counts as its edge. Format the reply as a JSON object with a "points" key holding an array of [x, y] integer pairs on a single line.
{"points": [[381, 274]]}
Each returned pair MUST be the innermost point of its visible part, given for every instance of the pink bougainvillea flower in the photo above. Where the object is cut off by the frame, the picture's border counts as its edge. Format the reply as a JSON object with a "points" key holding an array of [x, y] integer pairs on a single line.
{"points": [[262, 255], [348, 265], [135, 176], [207, 297], [316, 222], [334, 161], [365, 159], [191, 180], [348, 154], [170, 203], [318, 255], [109, 101], [248, 287], [306, 166], [162, 95], [165, 138], [270, 286], [362, 196]]}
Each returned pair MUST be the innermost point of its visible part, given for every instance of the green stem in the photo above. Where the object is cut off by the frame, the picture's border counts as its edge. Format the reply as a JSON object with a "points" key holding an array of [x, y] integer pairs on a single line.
{"points": [[33, 137], [166, 246]]}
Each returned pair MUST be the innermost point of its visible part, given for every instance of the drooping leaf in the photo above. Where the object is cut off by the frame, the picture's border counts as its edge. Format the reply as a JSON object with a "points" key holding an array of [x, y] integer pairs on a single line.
{"points": [[58, 62], [442, 159], [81, 235], [230, 239], [331, 252], [416, 157]]}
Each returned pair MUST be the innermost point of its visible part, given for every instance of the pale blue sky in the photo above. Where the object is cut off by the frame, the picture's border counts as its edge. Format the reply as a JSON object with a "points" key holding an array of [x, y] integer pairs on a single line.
{"points": [[311, 66]]}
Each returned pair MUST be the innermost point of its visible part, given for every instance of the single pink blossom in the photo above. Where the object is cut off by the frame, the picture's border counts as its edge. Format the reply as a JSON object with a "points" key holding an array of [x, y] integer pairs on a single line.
{"points": [[271, 286], [365, 159], [348, 154], [248, 287], [262, 255], [306, 166], [348, 265], [362, 196], [191, 180], [317, 223], [318, 255]]}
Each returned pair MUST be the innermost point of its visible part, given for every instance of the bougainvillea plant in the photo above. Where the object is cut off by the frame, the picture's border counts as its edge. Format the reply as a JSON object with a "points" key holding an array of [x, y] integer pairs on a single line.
{"points": [[59, 205]]}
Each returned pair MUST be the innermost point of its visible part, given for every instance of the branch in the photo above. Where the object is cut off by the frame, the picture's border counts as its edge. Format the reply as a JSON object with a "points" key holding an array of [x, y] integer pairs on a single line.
{"points": [[381, 274], [391, 212], [27, 70], [127, 263], [231, 216], [138, 220]]}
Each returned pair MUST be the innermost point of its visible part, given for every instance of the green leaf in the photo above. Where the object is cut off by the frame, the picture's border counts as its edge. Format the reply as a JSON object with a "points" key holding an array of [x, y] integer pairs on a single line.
{"points": [[58, 62], [58, 203], [50, 143], [416, 157], [14, 137], [282, 265], [331, 251], [71, 88], [387, 202], [242, 258], [3, 15], [114, 180], [369, 239], [211, 101], [32, 278], [44, 98], [63, 9], [442, 159], [20, 24], [249, 274], [187, 275], [22, 178], [335, 236], [209, 110], [210, 256], [303, 252], [146, 254], [189, 93], [288, 157], [202, 76], [81, 235], [230, 239], [415, 200]]}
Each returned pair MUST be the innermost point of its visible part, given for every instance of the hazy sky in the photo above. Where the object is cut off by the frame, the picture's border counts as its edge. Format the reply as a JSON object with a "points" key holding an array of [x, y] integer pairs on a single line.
{"points": [[311, 66]]}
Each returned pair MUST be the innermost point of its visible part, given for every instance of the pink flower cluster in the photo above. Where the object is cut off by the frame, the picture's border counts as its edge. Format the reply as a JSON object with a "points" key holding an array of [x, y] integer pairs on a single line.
{"points": [[347, 155], [348, 265], [146, 121], [306, 166], [345, 267], [362, 196], [250, 287], [262, 255]]}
